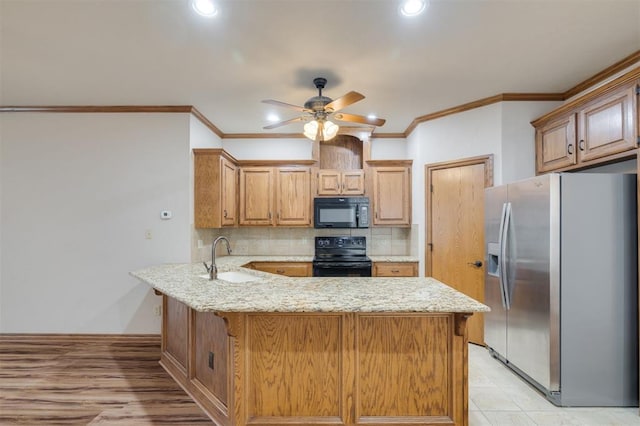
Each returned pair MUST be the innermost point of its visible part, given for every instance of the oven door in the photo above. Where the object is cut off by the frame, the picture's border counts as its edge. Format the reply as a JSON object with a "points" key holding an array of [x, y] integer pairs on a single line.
{"points": [[341, 269]]}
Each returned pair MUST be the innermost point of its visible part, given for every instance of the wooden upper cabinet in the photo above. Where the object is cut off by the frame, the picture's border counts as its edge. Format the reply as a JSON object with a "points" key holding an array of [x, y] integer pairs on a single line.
{"points": [[256, 195], [391, 195], [337, 182], [293, 196], [601, 126], [608, 125], [215, 189], [556, 144], [229, 193], [278, 196]]}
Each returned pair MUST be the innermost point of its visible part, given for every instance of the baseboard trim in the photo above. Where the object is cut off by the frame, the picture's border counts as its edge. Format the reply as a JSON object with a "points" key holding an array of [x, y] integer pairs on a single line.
{"points": [[84, 337]]}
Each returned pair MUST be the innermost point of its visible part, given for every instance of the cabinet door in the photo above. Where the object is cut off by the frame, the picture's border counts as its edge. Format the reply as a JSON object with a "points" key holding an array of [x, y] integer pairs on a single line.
{"points": [[293, 196], [556, 144], [392, 196], [353, 182], [229, 193], [329, 182], [608, 126], [256, 195], [395, 269]]}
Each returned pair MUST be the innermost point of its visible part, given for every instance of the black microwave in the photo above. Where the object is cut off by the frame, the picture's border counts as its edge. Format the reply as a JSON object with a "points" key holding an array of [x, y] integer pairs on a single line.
{"points": [[341, 212]]}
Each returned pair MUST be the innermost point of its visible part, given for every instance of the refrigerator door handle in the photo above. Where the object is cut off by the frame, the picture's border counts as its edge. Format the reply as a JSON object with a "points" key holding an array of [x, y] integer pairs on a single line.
{"points": [[504, 236], [501, 270]]}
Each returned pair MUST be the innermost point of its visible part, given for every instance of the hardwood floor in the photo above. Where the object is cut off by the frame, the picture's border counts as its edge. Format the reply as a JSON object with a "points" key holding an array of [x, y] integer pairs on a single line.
{"points": [[89, 380]]}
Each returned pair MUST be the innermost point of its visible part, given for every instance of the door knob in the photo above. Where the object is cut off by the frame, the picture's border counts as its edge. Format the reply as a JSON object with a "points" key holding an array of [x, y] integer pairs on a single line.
{"points": [[477, 264]]}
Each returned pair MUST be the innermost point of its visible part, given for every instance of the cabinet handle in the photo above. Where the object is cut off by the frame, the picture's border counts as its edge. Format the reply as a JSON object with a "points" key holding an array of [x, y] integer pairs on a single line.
{"points": [[280, 271], [570, 149], [269, 216], [581, 144], [395, 271], [477, 264], [225, 214]]}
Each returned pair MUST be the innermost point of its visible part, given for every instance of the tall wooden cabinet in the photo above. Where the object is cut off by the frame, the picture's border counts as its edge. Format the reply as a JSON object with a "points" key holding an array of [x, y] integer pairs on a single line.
{"points": [[215, 189], [275, 196], [601, 126], [391, 197]]}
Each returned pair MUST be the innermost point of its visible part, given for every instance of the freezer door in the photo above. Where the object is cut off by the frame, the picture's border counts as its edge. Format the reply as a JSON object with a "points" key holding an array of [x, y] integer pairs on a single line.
{"points": [[531, 239], [495, 322]]}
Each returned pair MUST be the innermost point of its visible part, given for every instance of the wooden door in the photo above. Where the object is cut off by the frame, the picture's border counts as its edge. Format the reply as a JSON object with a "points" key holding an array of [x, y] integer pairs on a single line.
{"points": [[229, 193], [556, 144], [455, 253], [607, 127], [256, 195], [293, 196], [392, 196]]}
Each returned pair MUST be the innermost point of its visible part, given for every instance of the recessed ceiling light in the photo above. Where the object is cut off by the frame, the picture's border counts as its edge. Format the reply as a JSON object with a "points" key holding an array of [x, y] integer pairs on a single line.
{"points": [[204, 7], [413, 7], [372, 116], [273, 118]]}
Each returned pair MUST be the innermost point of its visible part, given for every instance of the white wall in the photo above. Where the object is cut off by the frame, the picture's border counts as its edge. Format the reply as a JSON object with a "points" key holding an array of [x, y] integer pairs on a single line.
{"points": [[269, 149], [389, 149], [518, 138], [79, 192]]}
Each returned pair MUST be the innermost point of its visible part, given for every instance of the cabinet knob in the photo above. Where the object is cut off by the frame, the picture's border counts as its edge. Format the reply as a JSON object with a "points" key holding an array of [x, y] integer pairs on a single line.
{"points": [[477, 264]]}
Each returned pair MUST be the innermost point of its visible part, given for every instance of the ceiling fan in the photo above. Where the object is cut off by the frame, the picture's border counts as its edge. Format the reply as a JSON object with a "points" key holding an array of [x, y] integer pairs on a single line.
{"points": [[317, 111]]}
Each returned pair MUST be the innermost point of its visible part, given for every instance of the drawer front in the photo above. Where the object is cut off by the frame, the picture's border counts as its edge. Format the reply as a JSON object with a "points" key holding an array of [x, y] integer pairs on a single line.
{"points": [[289, 269], [395, 269]]}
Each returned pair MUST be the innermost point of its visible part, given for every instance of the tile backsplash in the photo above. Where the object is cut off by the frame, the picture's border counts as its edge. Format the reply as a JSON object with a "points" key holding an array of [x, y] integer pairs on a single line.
{"points": [[255, 241]]}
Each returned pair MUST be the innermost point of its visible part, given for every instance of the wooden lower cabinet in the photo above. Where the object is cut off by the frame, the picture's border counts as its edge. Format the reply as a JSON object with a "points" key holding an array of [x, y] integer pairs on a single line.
{"points": [[325, 368], [395, 269], [289, 269]]}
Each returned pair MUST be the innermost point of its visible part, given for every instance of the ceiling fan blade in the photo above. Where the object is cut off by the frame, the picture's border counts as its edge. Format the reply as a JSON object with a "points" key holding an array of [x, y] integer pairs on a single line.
{"points": [[286, 105], [344, 101], [283, 123], [359, 119]]}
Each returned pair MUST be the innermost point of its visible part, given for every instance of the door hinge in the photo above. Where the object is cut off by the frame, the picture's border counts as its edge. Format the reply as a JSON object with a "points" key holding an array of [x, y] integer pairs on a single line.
{"points": [[431, 188], [430, 246], [638, 140], [638, 89]]}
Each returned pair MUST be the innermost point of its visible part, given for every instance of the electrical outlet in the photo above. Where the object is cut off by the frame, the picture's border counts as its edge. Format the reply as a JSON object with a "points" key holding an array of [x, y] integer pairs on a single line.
{"points": [[148, 234], [157, 310]]}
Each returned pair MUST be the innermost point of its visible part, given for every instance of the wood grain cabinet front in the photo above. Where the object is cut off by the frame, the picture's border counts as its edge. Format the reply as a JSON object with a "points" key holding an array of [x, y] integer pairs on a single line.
{"points": [[289, 269], [395, 269], [600, 127], [391, 202], [215, 189], [341, 182], [275, 196]]}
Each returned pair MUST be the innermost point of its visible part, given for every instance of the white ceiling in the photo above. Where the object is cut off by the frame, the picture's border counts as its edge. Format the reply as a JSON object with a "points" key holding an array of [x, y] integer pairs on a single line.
{"points": [[159, 52]]}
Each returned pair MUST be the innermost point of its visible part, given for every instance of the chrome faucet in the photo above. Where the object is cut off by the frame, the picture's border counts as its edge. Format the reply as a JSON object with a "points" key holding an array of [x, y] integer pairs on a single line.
{"points": [[213, 269]]}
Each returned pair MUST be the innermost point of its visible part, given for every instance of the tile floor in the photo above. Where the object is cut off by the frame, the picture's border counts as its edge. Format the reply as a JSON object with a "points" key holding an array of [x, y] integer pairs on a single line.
{"points": [[499, 397]]}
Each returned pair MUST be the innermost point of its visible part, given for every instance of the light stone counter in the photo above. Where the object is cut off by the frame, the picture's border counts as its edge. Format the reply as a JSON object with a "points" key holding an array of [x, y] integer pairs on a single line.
{"points": [[275, 293], [393, 258]]}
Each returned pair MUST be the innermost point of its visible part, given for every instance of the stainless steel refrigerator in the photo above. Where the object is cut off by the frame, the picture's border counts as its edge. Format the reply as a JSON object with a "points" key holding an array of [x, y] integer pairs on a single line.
{"points": [[561, 281]]}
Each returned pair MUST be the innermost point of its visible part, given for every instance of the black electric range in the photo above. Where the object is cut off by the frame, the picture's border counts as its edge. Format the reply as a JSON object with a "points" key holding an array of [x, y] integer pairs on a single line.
{"points": [[344, 256]]}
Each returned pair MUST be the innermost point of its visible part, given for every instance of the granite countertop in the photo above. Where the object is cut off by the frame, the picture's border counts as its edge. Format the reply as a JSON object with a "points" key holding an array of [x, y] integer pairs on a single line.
{"points": [[189, 284]]}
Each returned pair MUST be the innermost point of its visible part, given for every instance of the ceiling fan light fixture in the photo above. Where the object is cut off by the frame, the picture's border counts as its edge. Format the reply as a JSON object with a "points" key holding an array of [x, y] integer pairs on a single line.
{"points": [[413, 7], [204, 7], [329, 130]]}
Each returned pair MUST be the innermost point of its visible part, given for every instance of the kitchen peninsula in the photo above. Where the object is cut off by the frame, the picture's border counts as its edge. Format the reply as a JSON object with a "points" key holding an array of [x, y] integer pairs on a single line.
{"points": [[274, 350]]}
